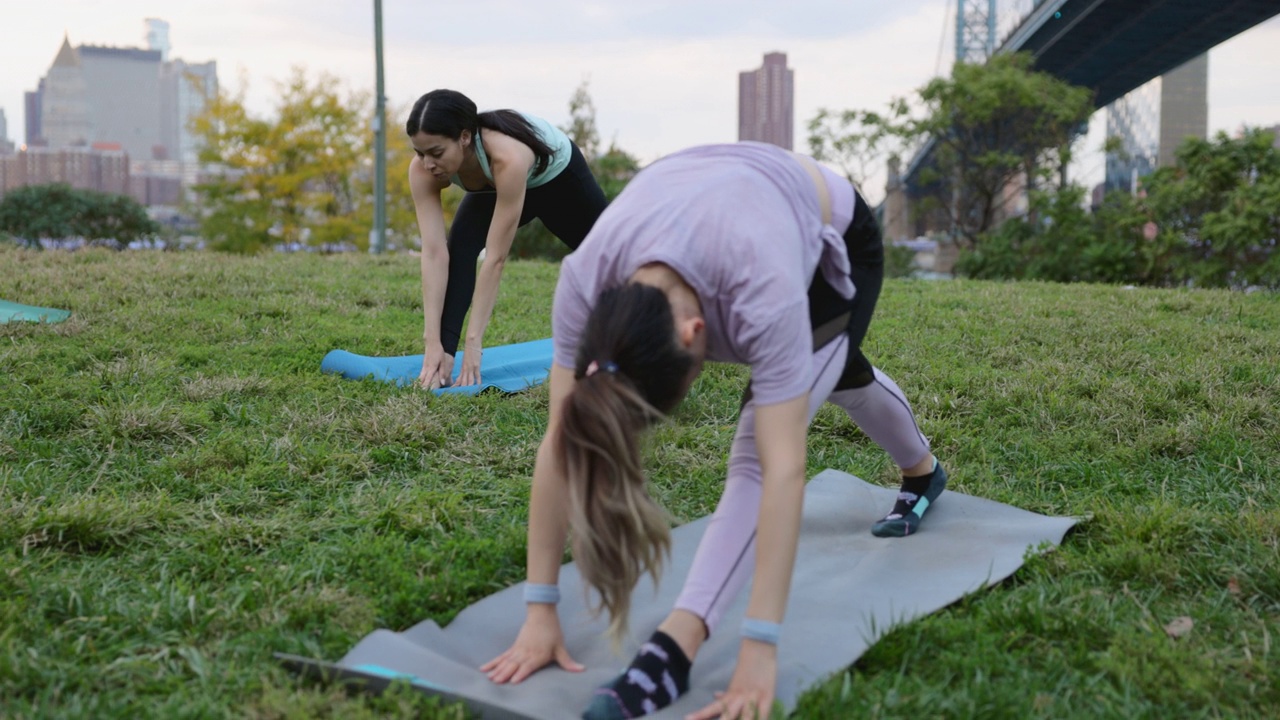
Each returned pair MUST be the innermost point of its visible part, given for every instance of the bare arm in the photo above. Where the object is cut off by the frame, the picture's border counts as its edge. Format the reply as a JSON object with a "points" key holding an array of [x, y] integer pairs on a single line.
{"points": [[541, 639], [435, 268], [780, 443], [549, 497], [510, 161]]}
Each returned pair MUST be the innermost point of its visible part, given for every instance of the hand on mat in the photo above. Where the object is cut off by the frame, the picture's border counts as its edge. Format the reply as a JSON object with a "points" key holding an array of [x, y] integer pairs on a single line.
{"points": [[437, 368], [539, 643], [750, 694], [470, 373]]}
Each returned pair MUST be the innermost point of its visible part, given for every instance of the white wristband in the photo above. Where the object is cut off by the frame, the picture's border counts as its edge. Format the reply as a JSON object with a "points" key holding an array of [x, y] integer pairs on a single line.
{"points": [[761, 630], [535, 593]]}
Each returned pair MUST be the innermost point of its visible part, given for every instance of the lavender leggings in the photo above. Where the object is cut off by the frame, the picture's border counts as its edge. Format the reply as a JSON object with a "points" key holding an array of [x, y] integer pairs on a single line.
{"points": [[726, 555]]}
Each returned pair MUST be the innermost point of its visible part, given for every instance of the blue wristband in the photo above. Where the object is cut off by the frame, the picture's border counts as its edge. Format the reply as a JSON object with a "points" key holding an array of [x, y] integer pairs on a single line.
{"points": [[762, 630], [548, 594]]}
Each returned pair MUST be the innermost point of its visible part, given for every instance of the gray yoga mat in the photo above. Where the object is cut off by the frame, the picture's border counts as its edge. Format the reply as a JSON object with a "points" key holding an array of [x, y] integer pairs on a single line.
{"points": [[849, 588]]}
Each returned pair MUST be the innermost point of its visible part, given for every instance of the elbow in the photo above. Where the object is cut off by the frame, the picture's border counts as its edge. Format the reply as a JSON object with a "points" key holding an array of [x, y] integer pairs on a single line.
{"points": [[547, 459], [434, 252], [494, 261]]}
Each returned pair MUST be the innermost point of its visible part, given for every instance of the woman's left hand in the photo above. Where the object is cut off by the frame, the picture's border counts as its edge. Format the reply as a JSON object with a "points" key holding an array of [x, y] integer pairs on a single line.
{"points": [[470, 372], [750, 694]]}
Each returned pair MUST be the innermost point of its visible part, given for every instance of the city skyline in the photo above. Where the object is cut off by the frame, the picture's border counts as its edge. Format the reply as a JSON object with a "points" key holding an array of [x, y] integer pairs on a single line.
{"points": [[132, 98], [113, 119], [660, 75]]}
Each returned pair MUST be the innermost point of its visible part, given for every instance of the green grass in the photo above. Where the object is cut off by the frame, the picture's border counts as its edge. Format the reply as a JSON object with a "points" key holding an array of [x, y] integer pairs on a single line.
{"points": [[182, 493]]}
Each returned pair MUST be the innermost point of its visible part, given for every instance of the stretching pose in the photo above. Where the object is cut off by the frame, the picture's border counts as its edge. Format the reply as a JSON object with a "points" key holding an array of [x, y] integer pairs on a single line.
{"points": [[727, 253], [515, 168]]}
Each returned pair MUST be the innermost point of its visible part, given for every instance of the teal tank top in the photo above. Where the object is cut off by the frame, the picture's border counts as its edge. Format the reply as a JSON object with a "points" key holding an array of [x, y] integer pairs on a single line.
{"points": [[554, 137]]}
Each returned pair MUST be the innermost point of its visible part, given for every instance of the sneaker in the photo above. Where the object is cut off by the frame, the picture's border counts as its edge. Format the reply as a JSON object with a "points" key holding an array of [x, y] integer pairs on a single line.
{"points": [[910, 507]]}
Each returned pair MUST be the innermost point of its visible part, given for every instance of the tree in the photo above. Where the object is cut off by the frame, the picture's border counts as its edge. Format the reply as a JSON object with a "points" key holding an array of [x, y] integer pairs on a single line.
{"points": [[292, 180], [117, 219], [613, 168], [850, 140], [36, 212], [1058, 241], [60, 212], [992, 127], [582, 121], [1210, 220], [1216, 213]]}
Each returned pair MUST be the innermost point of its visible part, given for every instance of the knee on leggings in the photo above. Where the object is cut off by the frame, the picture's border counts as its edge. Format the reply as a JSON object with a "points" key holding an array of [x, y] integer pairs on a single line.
{"points": [[858, 373]]}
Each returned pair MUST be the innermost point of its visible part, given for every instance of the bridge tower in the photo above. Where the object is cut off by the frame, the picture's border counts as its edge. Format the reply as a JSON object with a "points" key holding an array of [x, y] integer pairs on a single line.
{"points": [[975, 30]]}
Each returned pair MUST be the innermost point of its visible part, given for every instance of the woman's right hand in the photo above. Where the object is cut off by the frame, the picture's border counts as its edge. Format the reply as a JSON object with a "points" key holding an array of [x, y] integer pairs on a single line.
{"points": [[539, 643], [437, 367]]}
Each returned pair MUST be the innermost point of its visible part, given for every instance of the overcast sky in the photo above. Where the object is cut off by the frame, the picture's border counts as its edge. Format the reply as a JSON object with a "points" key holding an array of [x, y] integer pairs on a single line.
{"points": [[663, 74]]}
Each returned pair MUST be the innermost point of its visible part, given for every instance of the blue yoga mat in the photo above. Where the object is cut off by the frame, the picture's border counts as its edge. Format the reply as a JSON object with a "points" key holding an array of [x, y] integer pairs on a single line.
{"points": [[509, 368], [16, 312]]}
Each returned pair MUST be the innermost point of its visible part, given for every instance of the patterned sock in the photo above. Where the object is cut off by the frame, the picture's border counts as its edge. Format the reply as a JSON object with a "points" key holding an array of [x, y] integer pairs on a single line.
{"points": [[655, 678], [917, 493]]}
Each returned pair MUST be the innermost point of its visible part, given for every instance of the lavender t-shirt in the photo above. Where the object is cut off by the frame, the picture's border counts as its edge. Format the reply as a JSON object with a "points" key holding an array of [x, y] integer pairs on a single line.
{"points": [[741, 225]]}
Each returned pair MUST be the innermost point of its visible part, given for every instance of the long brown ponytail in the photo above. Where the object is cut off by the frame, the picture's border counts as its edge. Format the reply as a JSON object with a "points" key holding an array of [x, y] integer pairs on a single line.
{"points": [[630, 371]]}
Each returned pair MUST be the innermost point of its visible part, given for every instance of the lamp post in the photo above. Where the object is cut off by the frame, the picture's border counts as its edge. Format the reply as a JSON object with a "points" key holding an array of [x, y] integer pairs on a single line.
{"points": [[378, 236]]}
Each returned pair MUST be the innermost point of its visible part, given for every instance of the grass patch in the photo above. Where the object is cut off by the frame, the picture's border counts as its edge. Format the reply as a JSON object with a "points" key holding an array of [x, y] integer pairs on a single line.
{"points": [[183, 494]]}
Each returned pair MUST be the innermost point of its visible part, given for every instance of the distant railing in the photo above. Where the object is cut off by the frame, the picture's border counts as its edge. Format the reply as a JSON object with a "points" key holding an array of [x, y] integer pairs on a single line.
{"points": [[1009, 15]]}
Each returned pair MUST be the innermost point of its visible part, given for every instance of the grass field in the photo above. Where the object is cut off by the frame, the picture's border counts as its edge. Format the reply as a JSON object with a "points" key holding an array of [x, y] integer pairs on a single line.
{"points": [[182, 493]]}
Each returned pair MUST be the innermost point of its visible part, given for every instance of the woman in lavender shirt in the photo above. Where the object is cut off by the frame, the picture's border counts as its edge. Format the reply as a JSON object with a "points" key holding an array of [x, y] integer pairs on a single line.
{"points": [[726, 253]]}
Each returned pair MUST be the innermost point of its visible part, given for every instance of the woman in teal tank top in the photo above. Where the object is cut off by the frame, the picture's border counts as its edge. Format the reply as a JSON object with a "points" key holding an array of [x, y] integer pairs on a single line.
{"points": [[515, 168]]}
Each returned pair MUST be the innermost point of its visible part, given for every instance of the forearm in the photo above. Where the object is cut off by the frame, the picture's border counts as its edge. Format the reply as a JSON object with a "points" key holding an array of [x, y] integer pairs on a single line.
{"points": [[548, 517], [484, 300], [777, 535], [488, 280], [435, 280]]}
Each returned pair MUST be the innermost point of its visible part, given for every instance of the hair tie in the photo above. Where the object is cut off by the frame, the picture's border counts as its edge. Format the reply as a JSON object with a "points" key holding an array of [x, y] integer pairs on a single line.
{"points": [[607, 366]]}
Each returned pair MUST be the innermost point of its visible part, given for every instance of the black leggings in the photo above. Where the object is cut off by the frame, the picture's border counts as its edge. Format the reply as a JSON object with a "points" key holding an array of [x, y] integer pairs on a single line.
{"points": [[865, 246], [568, 205]]}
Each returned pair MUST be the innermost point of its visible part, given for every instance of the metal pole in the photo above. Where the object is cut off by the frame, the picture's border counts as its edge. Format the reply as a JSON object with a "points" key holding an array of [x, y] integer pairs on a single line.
{"points": [[378, 239]]}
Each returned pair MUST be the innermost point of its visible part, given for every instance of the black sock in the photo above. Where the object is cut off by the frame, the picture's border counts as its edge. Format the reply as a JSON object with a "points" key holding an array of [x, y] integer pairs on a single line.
{"points": [[655, 678], [913, 488]]}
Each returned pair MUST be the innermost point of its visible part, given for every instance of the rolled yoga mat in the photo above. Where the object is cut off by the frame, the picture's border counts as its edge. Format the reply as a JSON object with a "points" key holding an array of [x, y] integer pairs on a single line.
{"points": [[15, 312], [849, 588], [509, 368]]}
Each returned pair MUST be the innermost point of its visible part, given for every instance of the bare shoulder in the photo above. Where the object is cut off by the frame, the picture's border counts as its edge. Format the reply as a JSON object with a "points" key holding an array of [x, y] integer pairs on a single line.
{"points": [[423, 183], [505, 150]]}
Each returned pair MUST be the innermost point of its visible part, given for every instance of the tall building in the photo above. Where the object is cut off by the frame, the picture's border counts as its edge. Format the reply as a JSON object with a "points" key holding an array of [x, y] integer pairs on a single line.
{"points": [[1184, 106], [33, 99], [1152, 121], [64, 104], [158, 36], [6, 145], [122, 85], [132, 99], [766, 102], [184, 90]]}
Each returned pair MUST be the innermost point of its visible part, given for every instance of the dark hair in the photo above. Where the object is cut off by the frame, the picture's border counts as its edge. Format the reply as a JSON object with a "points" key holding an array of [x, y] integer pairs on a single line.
{"points": [[448, 112], [641, 373]]}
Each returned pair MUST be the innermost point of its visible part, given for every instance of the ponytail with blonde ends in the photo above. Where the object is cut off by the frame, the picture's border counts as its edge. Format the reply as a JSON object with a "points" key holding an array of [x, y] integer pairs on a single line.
{"points": [[619, 533]]}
